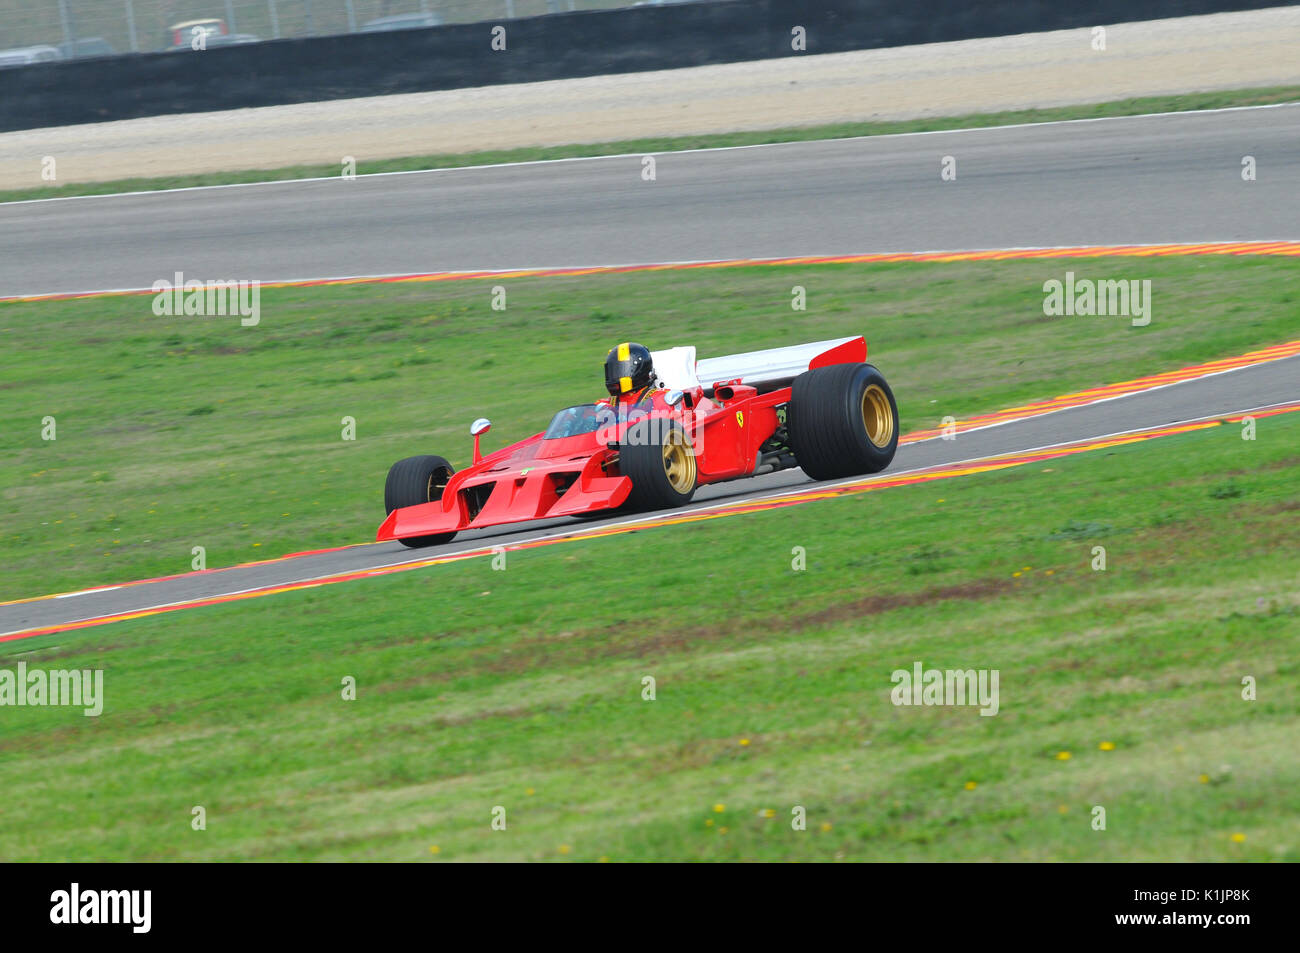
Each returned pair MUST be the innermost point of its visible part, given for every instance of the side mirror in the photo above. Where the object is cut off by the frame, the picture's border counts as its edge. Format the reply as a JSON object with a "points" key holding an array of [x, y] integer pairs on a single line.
{"points": [[673, 398], [476, 430]]}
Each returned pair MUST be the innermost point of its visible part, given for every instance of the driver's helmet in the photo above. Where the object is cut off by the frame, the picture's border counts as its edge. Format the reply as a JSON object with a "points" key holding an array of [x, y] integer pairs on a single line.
{"points": [[628, 368]]}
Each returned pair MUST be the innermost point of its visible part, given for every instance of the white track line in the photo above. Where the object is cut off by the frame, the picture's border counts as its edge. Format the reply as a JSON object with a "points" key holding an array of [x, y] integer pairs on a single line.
{"points": [[85, 592], [638, 155]]}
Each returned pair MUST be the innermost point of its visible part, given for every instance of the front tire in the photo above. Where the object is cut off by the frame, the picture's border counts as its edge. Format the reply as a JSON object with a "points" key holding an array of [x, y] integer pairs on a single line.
{"points": [[842, 421], [659, 459], [413, 481]]}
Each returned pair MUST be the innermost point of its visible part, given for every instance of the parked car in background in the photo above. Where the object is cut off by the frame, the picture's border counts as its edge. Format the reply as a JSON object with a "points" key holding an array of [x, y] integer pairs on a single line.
{"points": [[86, 47], [402, 21], [26, 55], [183, 34]]}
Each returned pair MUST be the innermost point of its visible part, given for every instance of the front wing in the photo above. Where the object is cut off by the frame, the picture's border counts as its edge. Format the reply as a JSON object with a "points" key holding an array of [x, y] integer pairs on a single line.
{"points": [[545, 490]]}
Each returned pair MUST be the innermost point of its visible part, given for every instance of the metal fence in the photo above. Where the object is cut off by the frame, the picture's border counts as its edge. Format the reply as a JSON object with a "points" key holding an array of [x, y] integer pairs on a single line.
{"points": [[99, 27]]}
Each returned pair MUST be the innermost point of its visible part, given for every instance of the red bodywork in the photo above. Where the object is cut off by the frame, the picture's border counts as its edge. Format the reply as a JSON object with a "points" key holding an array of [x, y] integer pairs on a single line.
{"points": [[540, 478]]}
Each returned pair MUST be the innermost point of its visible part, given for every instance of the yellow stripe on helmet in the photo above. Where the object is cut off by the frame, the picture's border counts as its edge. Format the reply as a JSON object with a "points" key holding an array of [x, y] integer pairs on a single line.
{"points": [[624, 385], [624, 353]]}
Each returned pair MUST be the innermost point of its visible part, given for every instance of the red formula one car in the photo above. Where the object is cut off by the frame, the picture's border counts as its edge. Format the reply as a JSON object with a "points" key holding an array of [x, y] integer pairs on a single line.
{"points": [[670, 425]]}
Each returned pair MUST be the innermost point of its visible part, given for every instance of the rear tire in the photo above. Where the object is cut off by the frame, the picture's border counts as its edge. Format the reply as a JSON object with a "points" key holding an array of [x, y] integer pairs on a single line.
{"points": [[413, 481], [657, 455], [842, 421]]}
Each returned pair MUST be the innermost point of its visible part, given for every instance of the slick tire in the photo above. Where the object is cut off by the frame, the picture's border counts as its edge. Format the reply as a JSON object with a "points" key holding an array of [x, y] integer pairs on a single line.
{"points": [[657, 455], [413, 481], [842, 421]]}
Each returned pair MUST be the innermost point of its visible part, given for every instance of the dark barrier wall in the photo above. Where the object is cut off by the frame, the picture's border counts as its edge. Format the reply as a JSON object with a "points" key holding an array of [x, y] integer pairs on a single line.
{"points": [[539, 48]]}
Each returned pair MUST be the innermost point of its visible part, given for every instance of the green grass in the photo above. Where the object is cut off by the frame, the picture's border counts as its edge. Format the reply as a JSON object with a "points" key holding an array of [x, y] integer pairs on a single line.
{"points": [[1126, 107], [181, 432], [522, 688]]}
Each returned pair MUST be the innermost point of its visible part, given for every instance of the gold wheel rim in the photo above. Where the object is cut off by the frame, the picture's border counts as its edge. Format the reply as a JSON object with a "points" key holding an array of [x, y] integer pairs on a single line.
{"points": [[438, 480], [679, 463], [877, 417]]}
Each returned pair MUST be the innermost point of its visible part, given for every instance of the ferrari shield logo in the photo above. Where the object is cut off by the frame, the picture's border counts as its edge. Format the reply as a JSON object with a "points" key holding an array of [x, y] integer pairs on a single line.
{"points": [[740, 418]]}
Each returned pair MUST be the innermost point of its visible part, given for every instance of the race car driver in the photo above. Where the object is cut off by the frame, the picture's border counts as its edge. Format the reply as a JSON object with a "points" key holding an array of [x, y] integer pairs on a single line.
{"points": [[629, 376]]}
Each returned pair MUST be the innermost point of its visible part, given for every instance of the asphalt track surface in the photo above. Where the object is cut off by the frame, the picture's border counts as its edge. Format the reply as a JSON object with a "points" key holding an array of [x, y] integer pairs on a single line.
{"points": [[1169, 178], [1244, 389]]}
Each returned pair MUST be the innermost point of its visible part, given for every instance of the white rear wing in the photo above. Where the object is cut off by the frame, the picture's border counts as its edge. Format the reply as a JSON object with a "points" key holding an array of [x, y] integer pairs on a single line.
{"points": [[677, 368]]}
